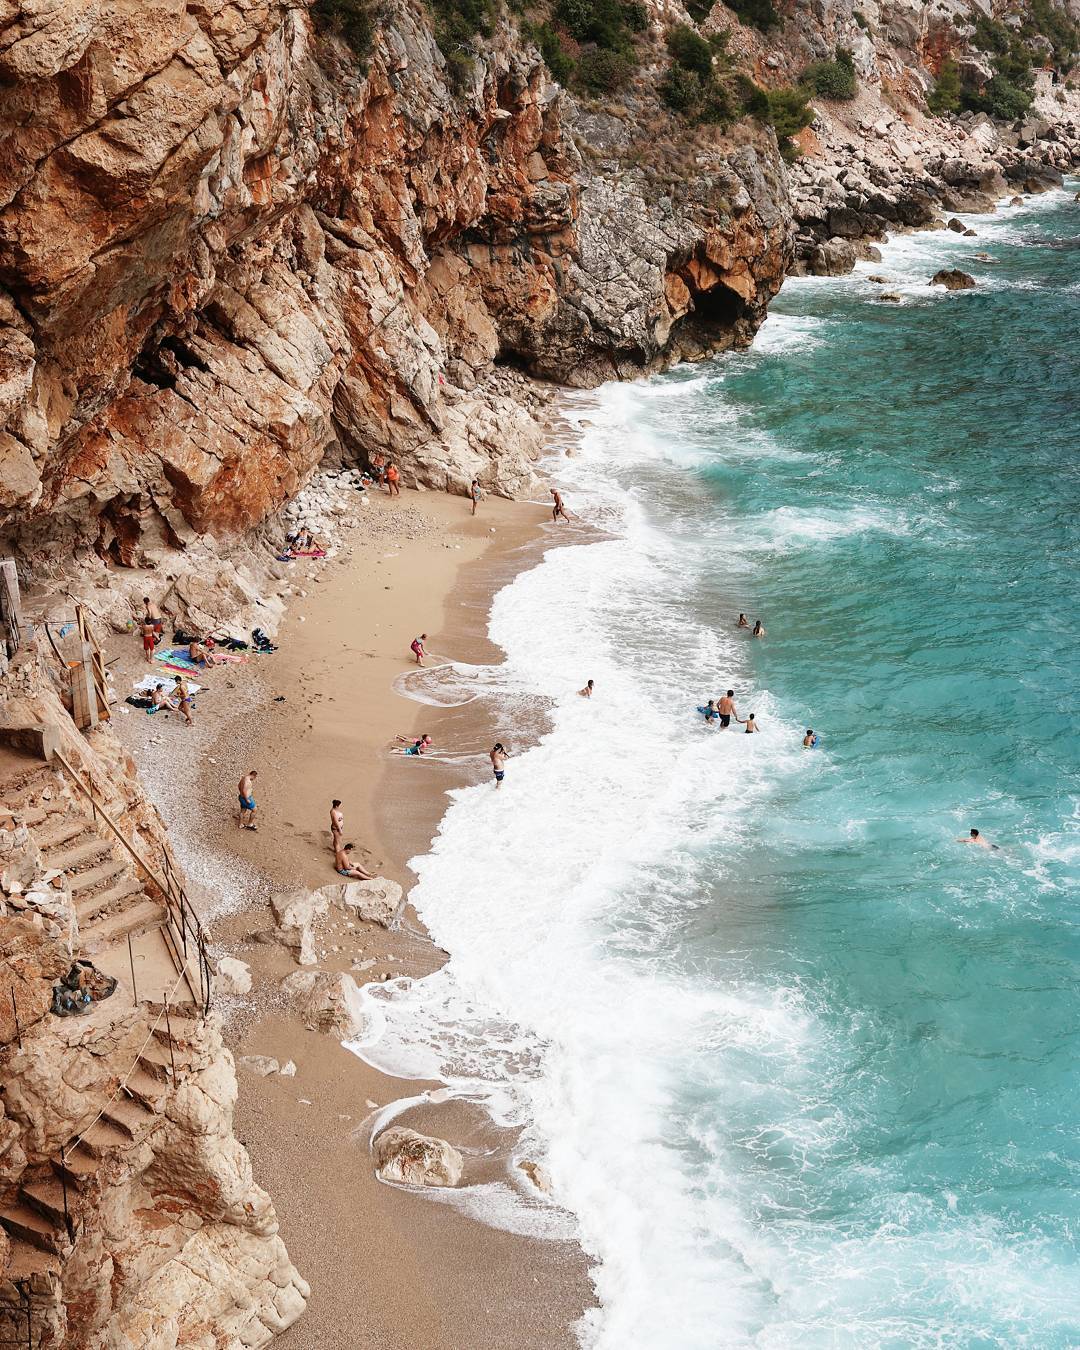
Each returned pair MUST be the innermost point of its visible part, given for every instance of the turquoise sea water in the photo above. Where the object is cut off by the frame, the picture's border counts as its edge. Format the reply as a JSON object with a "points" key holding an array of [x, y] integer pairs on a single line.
{"points": [[804, 1067]]}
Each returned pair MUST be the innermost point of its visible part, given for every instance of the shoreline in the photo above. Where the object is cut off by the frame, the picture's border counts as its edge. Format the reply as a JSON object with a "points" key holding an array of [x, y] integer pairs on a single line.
{"points": [[425, 554]]}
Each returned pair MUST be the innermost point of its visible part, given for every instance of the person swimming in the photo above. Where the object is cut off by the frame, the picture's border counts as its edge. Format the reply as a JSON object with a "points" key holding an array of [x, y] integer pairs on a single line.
{"points": [[743, 621], [711, 711], [974, 837], [809, 740], [759, 629]]}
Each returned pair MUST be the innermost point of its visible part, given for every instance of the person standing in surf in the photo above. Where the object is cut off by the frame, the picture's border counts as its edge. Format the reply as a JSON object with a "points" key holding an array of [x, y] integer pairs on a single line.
{"points": [[750, 725], [558, 509], [809, 740], [587, 691], [498, 762], [416, 646], [726, 709]]}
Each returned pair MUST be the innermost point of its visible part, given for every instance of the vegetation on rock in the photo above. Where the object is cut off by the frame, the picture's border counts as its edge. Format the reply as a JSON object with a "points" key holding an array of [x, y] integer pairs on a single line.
{"points": [[350, 20], [832, 79], [945, 95]]}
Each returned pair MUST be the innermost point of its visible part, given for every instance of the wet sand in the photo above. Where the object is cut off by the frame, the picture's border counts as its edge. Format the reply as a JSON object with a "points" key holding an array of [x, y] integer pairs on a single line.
{"points": [[388, 1266]]}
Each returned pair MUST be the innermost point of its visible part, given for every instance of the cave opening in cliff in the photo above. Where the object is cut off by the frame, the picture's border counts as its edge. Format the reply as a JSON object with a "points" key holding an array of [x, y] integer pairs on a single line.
{"points": [[713, 322], [162, 359]]}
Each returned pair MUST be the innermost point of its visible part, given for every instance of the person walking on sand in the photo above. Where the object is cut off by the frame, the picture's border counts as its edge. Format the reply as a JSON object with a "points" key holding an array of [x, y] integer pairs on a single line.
{"points": [[183, 699], [557, 508], [345, 865], [476, 492], [246, 792], [759, 629], [498, 762], [750, 725], [726, 708], [809, 740], [392, 480], [337, 824], [974, 837], [743, 622], [149, 639], [587, 691], [416, 646]]}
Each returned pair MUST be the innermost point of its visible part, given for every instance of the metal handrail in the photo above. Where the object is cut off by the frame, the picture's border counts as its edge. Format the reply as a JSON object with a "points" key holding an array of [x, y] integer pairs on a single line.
{"points": [[172, 890]]}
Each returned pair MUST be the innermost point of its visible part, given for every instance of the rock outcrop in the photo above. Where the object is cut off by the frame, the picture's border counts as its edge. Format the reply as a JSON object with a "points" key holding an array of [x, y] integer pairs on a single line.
{"points": [[224, 249], [414, 1159], [297, 913], [327, 1002], [953, 279]]}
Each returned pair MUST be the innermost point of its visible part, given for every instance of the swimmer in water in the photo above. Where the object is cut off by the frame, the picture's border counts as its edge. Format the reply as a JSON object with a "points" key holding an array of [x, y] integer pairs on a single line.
{"points": [[809, 740], [726, 709], [743, 622], [587, 691], [974, 837], [759, 629]]}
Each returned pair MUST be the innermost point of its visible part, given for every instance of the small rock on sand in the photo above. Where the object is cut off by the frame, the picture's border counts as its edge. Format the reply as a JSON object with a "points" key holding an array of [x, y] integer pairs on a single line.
{"points": [[263, 1065], [233, 976], [416, 1159]]}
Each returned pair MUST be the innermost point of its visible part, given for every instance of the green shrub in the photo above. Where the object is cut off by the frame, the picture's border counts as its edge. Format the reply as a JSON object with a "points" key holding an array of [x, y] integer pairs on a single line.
{"points": [[1045, 20], [785, 110], [945, 95], [860, 19], [602, 71], [635, 16], [699, 10], [690, 51], [999, 98], [832, 79], [601, 21], [348, 19], [682, 90], [760, 13], [559, 62]]}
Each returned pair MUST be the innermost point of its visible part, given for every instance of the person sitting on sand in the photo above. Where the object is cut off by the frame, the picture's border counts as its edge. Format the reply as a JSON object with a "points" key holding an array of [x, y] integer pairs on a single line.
{"points": [[759, 629], [416, 646], [974, 837], [182, 699], [201, 654], [304, 542], [476, 492], [809, 740], [750, 725], [159, 698], [743, 622], [345, 865], [246, 792], [337, 823], [587, 691], [498, 762], [417, 746]]}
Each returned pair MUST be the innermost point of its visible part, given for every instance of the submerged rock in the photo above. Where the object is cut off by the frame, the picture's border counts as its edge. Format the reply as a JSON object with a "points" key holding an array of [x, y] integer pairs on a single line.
{"points": [[890, 298], [953, 280], [416, 1159]]}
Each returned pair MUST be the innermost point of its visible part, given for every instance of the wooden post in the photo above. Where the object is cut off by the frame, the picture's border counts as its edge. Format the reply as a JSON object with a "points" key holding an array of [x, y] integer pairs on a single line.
{"points": [[131, 962], [168, 1032]]}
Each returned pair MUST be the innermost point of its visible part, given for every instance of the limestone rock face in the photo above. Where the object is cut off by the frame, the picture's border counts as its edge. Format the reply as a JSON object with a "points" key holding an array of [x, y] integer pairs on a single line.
{"points": [[224, 249], [376, 901], [416, 1159]]}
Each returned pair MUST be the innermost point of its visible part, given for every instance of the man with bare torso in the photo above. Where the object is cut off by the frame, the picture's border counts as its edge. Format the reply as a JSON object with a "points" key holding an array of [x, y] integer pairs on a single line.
{"points": [[558, 510], [337, 824], [726, 708], [345, 865], [246, 792]]}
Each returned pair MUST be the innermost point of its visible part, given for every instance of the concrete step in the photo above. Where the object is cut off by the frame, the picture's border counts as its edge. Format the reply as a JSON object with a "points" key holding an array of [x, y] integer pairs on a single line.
{"points": [[183, 1030], [131, 1118], [59, 830], [33, 816], [155, 1059], [24, 1263], [146, 1087], [47, 1197], [23, 1222], [103, 1137], [92, 905], [106, 870], [77, 854], [79, 1164], [115, 927]]}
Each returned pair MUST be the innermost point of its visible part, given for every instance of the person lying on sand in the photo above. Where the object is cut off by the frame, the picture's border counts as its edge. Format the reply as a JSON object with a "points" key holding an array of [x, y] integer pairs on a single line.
{"points": [[977, 839], [726, 708], [587, 691], [345, 865], [415, 746]]}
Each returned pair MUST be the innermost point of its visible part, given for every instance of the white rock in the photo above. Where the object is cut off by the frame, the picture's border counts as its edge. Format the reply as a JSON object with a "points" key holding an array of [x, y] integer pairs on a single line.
{"points": [[233, 976], [263, 1065], [416, 1159], [288, 1069]]}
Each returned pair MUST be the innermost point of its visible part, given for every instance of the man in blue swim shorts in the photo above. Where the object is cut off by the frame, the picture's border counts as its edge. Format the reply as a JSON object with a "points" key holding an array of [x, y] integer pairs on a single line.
{"points": [[246, 790], [498, 761]]}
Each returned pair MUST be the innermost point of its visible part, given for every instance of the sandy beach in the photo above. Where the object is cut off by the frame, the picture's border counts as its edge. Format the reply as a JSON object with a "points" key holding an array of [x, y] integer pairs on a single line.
{"points": [[318, 718]]}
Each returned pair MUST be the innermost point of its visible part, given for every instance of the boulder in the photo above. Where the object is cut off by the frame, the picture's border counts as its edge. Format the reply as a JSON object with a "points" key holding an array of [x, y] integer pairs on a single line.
{"points": [[263, 1065], [327, 1002], [956, 225], [296, 914], [953, 280], [970, 234], [536, 1174], [416, 1159], [833, 258], [890, 298], [878, 280], [376, 901], [232, 977], [1016, 201]]}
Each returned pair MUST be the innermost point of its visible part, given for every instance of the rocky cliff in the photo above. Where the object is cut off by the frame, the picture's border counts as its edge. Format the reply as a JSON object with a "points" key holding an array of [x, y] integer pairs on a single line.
{"points": [[225, 247]]}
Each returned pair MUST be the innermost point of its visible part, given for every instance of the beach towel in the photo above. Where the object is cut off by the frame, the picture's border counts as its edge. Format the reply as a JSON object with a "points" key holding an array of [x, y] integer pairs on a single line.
{"points": [[148, 683], [309, 552]]}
